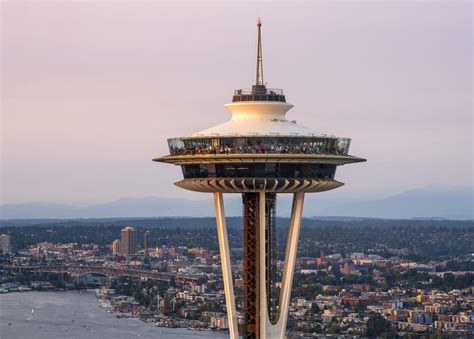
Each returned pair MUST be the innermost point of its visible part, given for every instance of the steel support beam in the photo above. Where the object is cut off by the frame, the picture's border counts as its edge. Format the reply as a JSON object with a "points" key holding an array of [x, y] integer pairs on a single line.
{"points": [[251, 271]]}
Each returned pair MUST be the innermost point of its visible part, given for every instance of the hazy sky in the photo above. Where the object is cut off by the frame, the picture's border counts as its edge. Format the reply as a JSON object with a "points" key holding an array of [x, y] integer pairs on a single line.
{"points": [[90, 91]]}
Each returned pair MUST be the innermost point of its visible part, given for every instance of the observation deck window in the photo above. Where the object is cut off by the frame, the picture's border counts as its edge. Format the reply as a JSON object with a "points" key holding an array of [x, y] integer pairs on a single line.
{"points": [[255, 145]]}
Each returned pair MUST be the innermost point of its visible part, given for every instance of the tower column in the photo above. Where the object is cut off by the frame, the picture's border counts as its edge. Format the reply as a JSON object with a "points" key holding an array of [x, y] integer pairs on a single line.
{"points": [[226, 266], [277, 329]]}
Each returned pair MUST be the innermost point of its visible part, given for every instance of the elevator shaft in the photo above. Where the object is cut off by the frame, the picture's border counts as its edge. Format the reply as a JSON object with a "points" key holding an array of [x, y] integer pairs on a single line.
{"points": [[251, 262]]}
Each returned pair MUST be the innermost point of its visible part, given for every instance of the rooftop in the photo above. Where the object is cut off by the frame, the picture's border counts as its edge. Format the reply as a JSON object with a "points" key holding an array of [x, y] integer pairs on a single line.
{"points": [[257, 118]]}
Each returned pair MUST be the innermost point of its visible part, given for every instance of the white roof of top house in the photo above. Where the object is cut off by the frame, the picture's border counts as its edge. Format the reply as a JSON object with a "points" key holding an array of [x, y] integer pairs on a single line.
{"points": [[257, 118]]}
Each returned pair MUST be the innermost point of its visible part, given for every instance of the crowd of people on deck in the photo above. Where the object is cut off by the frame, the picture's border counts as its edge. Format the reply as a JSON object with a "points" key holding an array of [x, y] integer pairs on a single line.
{"points": [[249, 148]]}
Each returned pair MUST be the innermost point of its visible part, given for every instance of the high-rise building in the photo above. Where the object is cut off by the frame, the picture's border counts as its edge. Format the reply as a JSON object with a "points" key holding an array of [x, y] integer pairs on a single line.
{"points": [[116, 247], [145, 241], [128, 242], [259, 153], [5, 243]]}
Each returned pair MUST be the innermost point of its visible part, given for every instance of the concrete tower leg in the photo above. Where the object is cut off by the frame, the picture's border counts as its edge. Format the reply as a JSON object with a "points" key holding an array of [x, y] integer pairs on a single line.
{"points": [[225, 264], [278, 330]]}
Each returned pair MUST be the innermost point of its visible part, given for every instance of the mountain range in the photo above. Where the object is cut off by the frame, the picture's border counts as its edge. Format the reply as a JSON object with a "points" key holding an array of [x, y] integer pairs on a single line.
{"points": [[436, 201]]}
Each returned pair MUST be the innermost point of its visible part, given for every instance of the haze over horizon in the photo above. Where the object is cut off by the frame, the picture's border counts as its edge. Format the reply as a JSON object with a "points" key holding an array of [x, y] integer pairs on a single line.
{"points": [[91, 91], [438, 201]]}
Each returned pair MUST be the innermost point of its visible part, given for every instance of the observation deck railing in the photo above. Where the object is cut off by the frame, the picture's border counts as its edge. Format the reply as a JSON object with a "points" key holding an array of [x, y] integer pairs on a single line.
{"points": [[336, 146], [268, 91], [259, 94]]}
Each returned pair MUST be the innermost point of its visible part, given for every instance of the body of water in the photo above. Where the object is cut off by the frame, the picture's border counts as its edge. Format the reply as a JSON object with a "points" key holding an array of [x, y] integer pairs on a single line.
{"points": [[75, 315]]}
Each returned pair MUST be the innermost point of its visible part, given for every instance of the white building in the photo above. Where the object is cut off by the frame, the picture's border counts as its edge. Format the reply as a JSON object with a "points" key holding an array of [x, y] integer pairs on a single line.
{"points": [[219, 322], [116, 247]]}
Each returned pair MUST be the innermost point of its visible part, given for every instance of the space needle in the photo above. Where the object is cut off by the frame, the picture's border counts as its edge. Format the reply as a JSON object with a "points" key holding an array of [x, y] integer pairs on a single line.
{"points": [[259, 153]]}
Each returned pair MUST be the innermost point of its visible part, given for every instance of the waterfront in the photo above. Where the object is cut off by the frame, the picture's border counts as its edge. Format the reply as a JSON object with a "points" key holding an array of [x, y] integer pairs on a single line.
{"points": [[75, 315]]}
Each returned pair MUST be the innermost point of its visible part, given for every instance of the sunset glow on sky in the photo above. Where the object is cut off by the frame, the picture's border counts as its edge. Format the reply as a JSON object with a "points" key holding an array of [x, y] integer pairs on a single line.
{"points": [[91, 91]]}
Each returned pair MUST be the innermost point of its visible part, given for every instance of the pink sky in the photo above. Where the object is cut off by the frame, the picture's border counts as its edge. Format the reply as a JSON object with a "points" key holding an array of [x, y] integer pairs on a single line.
{"points": [[90, 91]]}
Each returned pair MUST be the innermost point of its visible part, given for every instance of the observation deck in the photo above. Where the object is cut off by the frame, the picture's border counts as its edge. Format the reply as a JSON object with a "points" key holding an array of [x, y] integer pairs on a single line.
{"points": [[259, 149], [259, 93], [259, 164]]}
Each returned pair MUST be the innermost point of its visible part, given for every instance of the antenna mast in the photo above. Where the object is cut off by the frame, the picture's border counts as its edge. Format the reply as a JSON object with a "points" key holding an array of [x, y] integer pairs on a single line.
{"points": [[259, 76]]}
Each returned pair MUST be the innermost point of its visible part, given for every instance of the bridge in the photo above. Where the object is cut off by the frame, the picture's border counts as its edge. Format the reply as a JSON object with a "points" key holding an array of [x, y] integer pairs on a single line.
{"points": [[107, 271]]}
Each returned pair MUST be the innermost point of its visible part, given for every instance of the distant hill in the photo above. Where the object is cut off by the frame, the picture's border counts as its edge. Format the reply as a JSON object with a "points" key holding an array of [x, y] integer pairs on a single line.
{"points": [[6, 225], [433, 202], [124, 207]]}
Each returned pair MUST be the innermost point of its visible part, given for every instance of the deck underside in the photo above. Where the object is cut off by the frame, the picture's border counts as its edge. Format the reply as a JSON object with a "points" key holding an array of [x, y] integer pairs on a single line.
{"points": [[249, 185]]}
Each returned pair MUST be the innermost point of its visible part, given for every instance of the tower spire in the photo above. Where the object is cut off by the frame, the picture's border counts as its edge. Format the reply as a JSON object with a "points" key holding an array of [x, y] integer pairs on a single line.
{"points": [[259, 75]]}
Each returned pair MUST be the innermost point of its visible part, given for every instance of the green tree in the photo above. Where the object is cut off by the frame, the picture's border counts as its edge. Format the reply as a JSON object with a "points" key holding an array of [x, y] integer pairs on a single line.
{"points": [[385, 287], [315, 308], [377, 325], [334, 329]]}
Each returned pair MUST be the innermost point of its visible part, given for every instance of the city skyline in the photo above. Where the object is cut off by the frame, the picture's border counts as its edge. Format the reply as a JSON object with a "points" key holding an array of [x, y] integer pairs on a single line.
{"points": [[88, 104], [357, 270]]}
